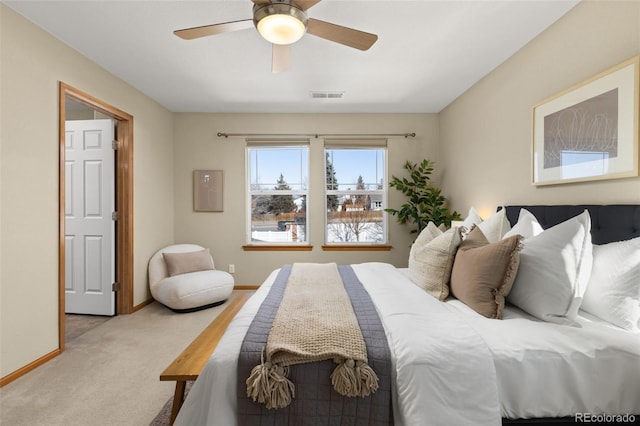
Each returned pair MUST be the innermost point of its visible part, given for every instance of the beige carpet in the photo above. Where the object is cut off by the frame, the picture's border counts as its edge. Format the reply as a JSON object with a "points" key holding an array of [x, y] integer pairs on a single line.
{"points": [[76, 325], [107, 376]]}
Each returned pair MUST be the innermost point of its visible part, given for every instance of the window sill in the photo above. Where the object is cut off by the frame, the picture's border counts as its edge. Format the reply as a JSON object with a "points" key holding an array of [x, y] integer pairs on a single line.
{"points": [[264, 247], [376, 247]]}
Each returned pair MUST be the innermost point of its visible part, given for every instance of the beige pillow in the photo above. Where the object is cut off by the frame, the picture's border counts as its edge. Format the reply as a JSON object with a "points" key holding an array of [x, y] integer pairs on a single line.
{"points": [[483, 272], [431, 259], [182, 263]]}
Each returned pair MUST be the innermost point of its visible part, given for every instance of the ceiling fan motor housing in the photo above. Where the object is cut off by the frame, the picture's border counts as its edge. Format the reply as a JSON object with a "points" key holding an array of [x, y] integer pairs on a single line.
{"points": [[280, 23]]}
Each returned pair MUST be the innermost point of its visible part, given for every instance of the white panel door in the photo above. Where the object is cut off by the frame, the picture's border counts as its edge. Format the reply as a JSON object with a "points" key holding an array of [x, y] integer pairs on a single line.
{"points": [[90, 230]]}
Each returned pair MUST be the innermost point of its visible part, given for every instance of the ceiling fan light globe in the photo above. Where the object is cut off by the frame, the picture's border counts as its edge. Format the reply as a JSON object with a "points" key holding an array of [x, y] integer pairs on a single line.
{"points": [[281, 28], [280, 23]]}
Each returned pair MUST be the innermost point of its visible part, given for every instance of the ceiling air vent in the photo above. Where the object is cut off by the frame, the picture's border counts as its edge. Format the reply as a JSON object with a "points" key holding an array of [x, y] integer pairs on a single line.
{"points": [[327, 95]]}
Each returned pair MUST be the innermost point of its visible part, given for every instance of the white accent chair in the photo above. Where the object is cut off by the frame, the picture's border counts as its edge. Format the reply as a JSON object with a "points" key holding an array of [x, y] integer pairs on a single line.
{"points": [[191, 291]]}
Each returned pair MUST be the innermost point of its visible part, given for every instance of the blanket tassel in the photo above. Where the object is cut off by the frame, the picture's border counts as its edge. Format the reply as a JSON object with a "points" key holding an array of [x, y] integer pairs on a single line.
{"points": [[354, 378], [268, 384]]}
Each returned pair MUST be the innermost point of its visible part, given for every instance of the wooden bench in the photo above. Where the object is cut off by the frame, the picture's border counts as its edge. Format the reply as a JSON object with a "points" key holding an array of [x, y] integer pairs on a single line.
{"points": [[188, 365]]}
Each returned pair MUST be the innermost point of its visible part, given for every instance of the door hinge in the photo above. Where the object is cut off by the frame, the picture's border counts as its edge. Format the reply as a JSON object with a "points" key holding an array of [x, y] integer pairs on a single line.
{"points": [[115, 286], [115, 216], [114, 145]]}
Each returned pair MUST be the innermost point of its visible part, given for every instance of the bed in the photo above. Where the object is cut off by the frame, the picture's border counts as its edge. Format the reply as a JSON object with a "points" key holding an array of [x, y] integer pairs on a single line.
{"points": [[451, 365]]}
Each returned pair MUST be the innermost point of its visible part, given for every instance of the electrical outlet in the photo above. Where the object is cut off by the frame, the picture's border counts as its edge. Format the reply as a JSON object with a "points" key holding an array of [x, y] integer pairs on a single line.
{"points": [[232, 268]]}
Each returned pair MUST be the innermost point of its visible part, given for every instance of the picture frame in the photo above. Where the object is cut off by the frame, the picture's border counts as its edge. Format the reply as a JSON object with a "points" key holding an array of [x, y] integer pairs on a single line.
{"points": [[589, 131], [208, 190]]}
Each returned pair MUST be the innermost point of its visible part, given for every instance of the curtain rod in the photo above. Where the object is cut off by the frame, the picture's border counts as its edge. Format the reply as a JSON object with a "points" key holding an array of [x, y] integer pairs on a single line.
{"points": [[317, 135]]}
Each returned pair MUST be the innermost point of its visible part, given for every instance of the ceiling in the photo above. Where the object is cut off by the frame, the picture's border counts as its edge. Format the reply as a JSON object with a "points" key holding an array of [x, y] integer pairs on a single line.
{"points": [[428, 52]]}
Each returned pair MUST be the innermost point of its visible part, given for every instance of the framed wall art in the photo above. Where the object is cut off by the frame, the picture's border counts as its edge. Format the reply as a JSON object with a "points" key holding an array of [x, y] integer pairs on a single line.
{"points": [[207, 190], [589, 131]]}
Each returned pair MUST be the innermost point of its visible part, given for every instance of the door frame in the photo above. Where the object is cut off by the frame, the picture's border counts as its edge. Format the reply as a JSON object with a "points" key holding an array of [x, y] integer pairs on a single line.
{"points": [[123, 201]]}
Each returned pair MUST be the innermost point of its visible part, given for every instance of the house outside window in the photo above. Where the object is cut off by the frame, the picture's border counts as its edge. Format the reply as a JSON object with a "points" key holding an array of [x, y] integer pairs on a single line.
{"points": [[278, 193], [355, 192]]}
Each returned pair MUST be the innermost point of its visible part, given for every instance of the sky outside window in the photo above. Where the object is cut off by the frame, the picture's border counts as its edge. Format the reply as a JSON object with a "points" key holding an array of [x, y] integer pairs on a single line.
{"points": [[267, 164], [292, 162], [349, 164]]}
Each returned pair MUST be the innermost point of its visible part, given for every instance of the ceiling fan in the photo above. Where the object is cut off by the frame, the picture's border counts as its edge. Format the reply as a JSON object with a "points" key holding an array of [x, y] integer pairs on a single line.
{"points": [[283, 22]]}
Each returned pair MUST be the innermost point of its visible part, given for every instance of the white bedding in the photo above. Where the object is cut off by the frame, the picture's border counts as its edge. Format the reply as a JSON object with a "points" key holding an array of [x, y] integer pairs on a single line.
{"points": [[551, 370], [454, 366]]}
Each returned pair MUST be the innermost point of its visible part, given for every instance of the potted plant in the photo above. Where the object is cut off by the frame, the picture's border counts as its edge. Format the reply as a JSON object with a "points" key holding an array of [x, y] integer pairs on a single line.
{"points": [[426, 202]]}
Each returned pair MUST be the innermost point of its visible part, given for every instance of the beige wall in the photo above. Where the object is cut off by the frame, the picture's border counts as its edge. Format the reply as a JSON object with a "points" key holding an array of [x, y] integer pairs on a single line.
{"points": [[32, 63], [486, 133], [198, 147]]}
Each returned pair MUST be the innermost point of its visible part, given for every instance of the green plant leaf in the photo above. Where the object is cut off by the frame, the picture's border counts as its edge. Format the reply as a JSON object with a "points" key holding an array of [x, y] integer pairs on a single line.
{"points": [[425, 201]]}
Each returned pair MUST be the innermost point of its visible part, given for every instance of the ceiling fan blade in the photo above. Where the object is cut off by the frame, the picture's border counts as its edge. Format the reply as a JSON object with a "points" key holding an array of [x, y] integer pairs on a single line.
{"points": [[209, 30], [280, 57], [306, 4], [261, 1], [339, 34]]}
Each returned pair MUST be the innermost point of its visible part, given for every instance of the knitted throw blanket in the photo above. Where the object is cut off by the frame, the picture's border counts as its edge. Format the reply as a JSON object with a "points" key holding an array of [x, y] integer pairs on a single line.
{"points": [[315, 322]]}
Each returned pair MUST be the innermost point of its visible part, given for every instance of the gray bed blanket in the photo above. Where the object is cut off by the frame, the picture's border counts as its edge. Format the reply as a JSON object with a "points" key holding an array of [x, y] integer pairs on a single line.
{"points": [[316, 402]]}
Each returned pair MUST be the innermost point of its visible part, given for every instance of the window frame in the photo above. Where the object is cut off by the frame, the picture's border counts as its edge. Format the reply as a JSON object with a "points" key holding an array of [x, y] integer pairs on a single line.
{"points": [[342, 145], [250, 192]]}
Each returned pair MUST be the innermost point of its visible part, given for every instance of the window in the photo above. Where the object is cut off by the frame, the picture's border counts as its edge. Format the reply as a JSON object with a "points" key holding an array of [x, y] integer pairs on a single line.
{"points": [[355, 195], [278, 193]]}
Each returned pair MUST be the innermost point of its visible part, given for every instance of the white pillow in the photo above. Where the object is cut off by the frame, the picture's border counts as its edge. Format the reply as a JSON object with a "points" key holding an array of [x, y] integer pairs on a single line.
{"points": [[496, 226], [493, 228], [555, 266], [527, 225], [613, 293], [473, 218], [431, 260]]}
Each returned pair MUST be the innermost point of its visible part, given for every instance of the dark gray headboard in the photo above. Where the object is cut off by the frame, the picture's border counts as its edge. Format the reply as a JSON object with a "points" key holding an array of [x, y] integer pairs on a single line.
{"points": [[614, 222]]}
